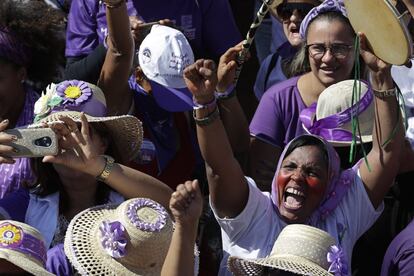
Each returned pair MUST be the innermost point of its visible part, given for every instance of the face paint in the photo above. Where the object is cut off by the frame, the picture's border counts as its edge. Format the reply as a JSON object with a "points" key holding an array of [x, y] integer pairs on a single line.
{"points": [[315, 186]]}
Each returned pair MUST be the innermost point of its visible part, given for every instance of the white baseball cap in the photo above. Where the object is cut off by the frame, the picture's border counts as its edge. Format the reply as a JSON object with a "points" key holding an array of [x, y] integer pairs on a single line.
{"points": [[164, 54]]}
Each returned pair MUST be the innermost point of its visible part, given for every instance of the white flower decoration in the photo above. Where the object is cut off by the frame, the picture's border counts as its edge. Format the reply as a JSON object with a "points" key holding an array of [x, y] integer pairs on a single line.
{"points": [[41, 106]]}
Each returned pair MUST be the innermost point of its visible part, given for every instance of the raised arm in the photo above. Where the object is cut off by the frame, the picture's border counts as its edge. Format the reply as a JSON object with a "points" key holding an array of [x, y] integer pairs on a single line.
{"points": [[228, 188], [119, 57], [186, 205], [231, 112], [388, 133]]}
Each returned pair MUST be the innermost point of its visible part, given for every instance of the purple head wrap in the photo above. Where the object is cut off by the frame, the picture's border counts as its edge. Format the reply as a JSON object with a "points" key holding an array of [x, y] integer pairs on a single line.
{"points": [[13, 49], [326, 6], [338, 183]]}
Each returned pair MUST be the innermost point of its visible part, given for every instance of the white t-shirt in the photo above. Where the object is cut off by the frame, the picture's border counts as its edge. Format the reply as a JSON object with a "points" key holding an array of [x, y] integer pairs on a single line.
{"points": [[254, 231], [404, 77]]}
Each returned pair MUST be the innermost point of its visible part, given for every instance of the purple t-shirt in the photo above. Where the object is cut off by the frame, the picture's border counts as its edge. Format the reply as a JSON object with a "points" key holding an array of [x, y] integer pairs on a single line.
{"points": [[208, 24], [399, 258], [276, 120]]}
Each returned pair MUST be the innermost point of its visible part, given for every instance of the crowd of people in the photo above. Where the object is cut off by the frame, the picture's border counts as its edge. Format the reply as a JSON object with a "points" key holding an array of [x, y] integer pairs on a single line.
{"points": [[157, 168]]}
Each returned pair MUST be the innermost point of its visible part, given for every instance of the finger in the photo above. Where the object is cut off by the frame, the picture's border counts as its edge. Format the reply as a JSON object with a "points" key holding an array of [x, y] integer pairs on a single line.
{"points": [[191, 73], [4, 124], [232, 65], [8, 150], [208, 63], [6, 160], [84, 125], [71, 124], [196, 188], [190, 191], [199, 63], [179, 200], [7, 138], [60, 129], [207, 73], [186, 195]]}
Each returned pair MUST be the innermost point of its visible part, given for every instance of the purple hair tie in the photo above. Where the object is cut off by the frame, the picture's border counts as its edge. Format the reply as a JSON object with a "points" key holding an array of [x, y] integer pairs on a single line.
{"points": [[326, 6], [140, 203]]}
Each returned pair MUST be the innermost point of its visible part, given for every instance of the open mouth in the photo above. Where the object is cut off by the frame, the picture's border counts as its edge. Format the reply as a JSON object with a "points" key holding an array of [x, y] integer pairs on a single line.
{"points": [[294, 30], [293, 198]]}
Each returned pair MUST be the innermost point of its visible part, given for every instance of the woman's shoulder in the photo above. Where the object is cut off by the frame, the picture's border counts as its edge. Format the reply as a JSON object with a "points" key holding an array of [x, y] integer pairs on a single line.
{"points": [[285, 88]]}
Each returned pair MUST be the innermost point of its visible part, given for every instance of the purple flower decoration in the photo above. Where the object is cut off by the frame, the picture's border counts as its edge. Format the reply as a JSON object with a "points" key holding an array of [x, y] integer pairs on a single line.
{"points": [[137, 204], [113, 238], [336, 257], [74, 92]]}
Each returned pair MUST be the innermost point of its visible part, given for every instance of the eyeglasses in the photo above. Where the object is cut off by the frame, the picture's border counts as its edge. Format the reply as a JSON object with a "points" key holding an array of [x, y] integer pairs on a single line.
{"points": [[285, 11], [339, 51]]}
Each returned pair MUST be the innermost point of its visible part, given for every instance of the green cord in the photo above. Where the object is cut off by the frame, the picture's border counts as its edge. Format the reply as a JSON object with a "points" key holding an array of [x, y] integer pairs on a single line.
{"points": [[356, 94]]}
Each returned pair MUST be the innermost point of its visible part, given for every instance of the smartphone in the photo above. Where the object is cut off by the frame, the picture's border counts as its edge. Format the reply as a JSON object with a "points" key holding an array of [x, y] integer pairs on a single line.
{"points": [[33, 142]]}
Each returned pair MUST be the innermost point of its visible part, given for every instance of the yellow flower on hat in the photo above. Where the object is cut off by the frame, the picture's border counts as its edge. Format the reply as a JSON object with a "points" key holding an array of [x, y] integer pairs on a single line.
{"points": [[10, 234], [72, 92]]}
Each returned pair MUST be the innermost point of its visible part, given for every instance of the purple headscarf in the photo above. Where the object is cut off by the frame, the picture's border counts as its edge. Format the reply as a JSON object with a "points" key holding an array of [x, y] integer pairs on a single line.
{"points": [[338, 182], [13, 49], [326, 6]]}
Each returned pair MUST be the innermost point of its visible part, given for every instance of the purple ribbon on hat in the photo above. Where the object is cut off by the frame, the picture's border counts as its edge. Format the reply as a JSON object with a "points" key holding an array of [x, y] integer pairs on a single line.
{"points": [[13, 49], [329, 127], [113, 238], [337, 259], [326, 6], [12, 237], [132, 214]]}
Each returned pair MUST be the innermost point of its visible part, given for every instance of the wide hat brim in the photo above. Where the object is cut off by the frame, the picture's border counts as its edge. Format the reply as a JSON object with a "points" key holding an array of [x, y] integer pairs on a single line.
{"points": [[23, 261], [82, 245], [290, 263], [126, 130], [336, 143]]}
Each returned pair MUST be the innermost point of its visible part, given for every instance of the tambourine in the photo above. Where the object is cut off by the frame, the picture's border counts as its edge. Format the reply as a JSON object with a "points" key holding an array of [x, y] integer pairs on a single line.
{"points": [[383, 25]]}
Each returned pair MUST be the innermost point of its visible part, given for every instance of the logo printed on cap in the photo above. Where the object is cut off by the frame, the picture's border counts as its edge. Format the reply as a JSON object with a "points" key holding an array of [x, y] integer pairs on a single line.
{"points": [[146, 55]]}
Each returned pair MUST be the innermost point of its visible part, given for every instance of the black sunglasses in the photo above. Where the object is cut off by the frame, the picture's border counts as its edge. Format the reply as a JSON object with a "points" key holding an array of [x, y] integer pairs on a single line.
{"points": [[285, 11]]}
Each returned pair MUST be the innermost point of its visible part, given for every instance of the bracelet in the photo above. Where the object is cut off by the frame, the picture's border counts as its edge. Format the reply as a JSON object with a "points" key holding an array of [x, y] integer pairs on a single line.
{"points": [[208, 119], [385, 93], [114, 5], [229, 93], [109, 164], [203, 106]]}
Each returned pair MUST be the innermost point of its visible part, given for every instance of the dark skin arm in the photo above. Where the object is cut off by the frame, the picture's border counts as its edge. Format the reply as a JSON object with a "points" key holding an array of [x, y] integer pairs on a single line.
{"points": [[228, 188]]}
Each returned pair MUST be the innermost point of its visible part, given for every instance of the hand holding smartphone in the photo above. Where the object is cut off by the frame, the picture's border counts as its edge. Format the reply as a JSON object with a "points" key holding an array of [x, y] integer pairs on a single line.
{"points": [[33, 142]]}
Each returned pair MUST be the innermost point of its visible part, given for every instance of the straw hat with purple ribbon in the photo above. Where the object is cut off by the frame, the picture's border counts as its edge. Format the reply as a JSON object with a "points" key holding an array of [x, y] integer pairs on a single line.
{"points": [[130, 239], [300, 249], [331, 117], [72, 97], [23, 246]]}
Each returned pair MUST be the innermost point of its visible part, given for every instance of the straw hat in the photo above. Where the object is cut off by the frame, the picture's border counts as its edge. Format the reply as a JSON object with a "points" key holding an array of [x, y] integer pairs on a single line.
{"points": [[277, 4], [332, 119], [23, 246], [70, 98], [299, 249], [131, 239]]}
